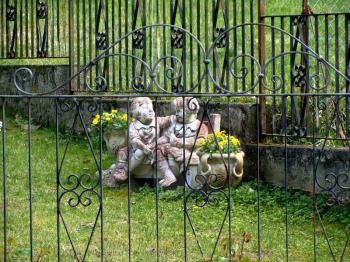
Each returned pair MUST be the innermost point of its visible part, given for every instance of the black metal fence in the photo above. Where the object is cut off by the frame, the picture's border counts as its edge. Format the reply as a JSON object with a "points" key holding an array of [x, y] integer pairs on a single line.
{"points": [[34, 29], [84, 225]]}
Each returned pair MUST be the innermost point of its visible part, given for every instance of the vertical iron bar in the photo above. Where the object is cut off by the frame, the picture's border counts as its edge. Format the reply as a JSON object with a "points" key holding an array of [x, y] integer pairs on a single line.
{"points": [[252, 74], [71, 41], [58, 26], [291, 45], [106, 24], [317, 48], [229, 206], [184, 56], [57, 185], [53, 28], [198, 46], [284, 127], [2, 33], [6, 32], [184, 178], [337, 82], [261, 36], [191, 44], [120, 44], [32, 28], [46, 32], [84, 37], [314, 203], [206, 37], [101, 183], [172, 21], [144, 50], [273, 53], [4, 175], [26, 29], [165, 44], [15, 30], [21, 30], [150, 32], [243, 41], [214, 24], [258, 171], [126, 45], [235, 44], [30, 179], [129, 182], [282, 58], [227, 57], [347, 72], [156, 172], [133, 27], [90, 37], [78, 41], [326, 24]]}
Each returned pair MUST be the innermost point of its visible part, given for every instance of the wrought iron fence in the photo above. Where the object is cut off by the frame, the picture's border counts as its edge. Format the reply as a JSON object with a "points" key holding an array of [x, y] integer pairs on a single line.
{"points": [[78, 193], [34, 29]]}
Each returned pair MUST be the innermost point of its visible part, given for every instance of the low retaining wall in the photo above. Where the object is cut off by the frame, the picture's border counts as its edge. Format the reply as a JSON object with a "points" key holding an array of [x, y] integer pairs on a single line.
{"points": [[301, 165], [243, 116]]}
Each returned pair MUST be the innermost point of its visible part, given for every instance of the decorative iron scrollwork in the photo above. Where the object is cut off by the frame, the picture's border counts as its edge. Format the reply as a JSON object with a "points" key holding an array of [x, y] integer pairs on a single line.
{"points": [[11, 54], [299, 131], [177, 37], [137, 39], [41, 10], [299, 75], [101, 40], [41, 53], [220, 37], [177, 88], [10, 13]]}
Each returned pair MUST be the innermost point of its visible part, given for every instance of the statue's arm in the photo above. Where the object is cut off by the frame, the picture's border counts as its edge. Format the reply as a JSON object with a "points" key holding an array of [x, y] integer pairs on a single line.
{"points": [[164, 121]]}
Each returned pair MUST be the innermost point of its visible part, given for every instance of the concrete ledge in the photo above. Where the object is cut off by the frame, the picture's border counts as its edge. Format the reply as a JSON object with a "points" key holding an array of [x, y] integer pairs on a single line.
{"points": [[302, 163]]}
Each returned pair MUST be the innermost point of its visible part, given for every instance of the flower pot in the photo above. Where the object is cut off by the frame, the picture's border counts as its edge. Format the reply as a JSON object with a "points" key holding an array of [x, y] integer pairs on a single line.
{"points": [[213, 168], [115, 139]]}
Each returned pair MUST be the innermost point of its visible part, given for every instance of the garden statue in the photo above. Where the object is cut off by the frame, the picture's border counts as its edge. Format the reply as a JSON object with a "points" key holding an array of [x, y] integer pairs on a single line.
{"points": [[142, 137], [179, 139]]}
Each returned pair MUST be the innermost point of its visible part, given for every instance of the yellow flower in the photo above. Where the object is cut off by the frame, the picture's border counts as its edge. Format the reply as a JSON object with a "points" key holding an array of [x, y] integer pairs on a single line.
{"points": [[108, 119], [235, 141], [124, 117], [114, 111], [106, 114], [220, 133], [222, 143], [201, 142], [95, 121]]}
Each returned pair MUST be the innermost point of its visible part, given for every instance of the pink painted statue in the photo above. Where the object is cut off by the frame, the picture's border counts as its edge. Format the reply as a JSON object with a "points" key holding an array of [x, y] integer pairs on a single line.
{"points": [[178, 140]]}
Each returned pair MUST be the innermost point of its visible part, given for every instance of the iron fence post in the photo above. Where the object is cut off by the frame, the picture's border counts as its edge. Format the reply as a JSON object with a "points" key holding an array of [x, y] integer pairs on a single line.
{"points": [[71, 42], [261, 36]]}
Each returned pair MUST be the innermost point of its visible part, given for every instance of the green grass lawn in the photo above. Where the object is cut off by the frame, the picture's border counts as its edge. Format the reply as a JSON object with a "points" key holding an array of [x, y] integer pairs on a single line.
{"points": [[206, 220]]}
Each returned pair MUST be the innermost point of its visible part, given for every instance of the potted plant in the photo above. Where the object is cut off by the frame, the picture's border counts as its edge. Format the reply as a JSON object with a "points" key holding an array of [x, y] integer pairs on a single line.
{"points": [[114, 126], [219, 153]]}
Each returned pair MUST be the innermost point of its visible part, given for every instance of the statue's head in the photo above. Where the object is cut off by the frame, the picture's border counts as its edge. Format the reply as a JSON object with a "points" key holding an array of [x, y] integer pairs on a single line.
{"points": [[142, 110], [191, 107]]}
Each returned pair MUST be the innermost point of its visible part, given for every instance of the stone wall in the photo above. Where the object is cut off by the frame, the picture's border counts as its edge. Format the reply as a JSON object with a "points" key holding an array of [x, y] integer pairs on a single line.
{"points": [[302, 164], [243, 116]]}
